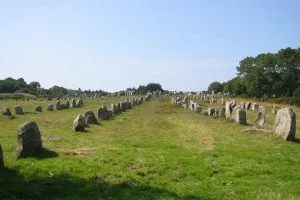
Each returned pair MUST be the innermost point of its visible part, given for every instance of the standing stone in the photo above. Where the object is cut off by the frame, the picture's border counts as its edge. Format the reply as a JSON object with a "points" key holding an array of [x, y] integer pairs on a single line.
{"points": [[122, 106], [77, 103], [73, 103], [5, 111], [243, 105], [211, 111], [260, 119], [109, 113], [39, 108], [67, 104], [228, 109], [113, 108], [240, 116], [90, 117], [29, 140], [247, 105], [102, 113], [275, 109], [118, 107], [50, 107], [1, 160], [233, 103], [79, 123], [255, 106], [19, 110], [285, 124], [57, 105], [221, 112]]}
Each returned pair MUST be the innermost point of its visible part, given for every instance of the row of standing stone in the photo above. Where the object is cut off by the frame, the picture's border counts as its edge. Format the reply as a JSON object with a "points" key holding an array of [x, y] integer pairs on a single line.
{"points": [[58, 106], [284, 125], [29, 136], [82, 121]]}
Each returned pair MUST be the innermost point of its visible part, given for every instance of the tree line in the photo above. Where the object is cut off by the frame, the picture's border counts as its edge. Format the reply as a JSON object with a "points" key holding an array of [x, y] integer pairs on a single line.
{"points": [[267, 74], [11, 85]]}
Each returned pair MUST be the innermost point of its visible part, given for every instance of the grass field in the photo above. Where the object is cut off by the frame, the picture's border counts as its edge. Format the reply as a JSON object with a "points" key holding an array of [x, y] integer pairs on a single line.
{"points": [[153, 151]]}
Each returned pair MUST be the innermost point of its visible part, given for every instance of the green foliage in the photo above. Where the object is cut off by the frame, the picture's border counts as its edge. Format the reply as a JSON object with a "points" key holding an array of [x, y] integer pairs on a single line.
{"points": [[215, 86], [268, 74], [149, 88]]}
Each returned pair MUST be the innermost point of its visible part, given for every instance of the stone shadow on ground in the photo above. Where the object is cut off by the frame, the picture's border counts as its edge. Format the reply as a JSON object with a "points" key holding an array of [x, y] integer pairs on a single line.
{"points": [[64, 186], [46, 153]]}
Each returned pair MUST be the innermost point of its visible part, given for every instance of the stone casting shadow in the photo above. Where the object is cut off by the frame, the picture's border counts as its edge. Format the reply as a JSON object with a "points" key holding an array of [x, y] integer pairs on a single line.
{"points": [[64, 186]]}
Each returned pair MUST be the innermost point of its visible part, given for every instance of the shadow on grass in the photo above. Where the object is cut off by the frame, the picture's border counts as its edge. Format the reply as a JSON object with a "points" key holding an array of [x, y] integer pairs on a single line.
{"points": [[64, 186], [46, 153]]}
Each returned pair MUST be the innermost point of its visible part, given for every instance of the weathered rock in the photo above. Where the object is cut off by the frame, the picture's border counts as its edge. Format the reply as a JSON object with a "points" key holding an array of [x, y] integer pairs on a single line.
{"points": [[39, 108], [57, 105], [1, 160], [255, 106], [275, 109], [79, 123], [122, 106], [240, 116], [62, 106], [211, 111], [243, 105], [247, 105], [78, 103], [285, 124], [113, 108], [5, 111], [260, 119], [29, 140], [67, 104], [185, 101], [118, 107], [109, 113], [50, 107], [90, 117], [233, 103], [102, 113], [228, 109], [19, 110], [221, 112], [204, 112], [73, 103]]}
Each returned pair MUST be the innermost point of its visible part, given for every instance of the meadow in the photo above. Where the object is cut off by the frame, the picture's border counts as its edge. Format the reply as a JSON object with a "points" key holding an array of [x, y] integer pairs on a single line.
{"points": [[153, 151]]}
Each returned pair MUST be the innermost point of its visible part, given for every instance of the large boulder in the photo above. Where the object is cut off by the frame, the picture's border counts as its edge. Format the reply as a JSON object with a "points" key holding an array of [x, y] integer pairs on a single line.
{"points": [[228, 109], [285, 124], [90, 117], [211, 111], [5, 111], [67, 104], [240, 116], [57, 105], [122, 106], [73, 103], [39, 108], [102, 113], [221, 112], [247, 105], [260, 119], [50, 107], [79, 123], [109, 113], [113, 108], [29, 140], [255, 106], [19, 110], [1, 160], [275, 109], [78, 103]]}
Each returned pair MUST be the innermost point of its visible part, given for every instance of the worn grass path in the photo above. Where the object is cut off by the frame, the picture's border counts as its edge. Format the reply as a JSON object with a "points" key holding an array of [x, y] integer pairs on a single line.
{"points": [[154, 151]]}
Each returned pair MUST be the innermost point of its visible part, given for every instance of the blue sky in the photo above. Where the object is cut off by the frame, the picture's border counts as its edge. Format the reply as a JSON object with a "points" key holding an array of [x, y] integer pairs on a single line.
{"points": [[115, 44]]}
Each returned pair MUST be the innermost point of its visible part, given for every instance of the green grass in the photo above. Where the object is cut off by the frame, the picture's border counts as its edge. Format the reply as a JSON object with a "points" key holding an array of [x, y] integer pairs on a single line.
{"points": [[19, 96], [153, 151]]}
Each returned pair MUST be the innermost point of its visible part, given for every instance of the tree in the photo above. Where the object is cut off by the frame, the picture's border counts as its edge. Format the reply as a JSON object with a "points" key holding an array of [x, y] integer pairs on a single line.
{"points": [[154, 87], [215, 86]]}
